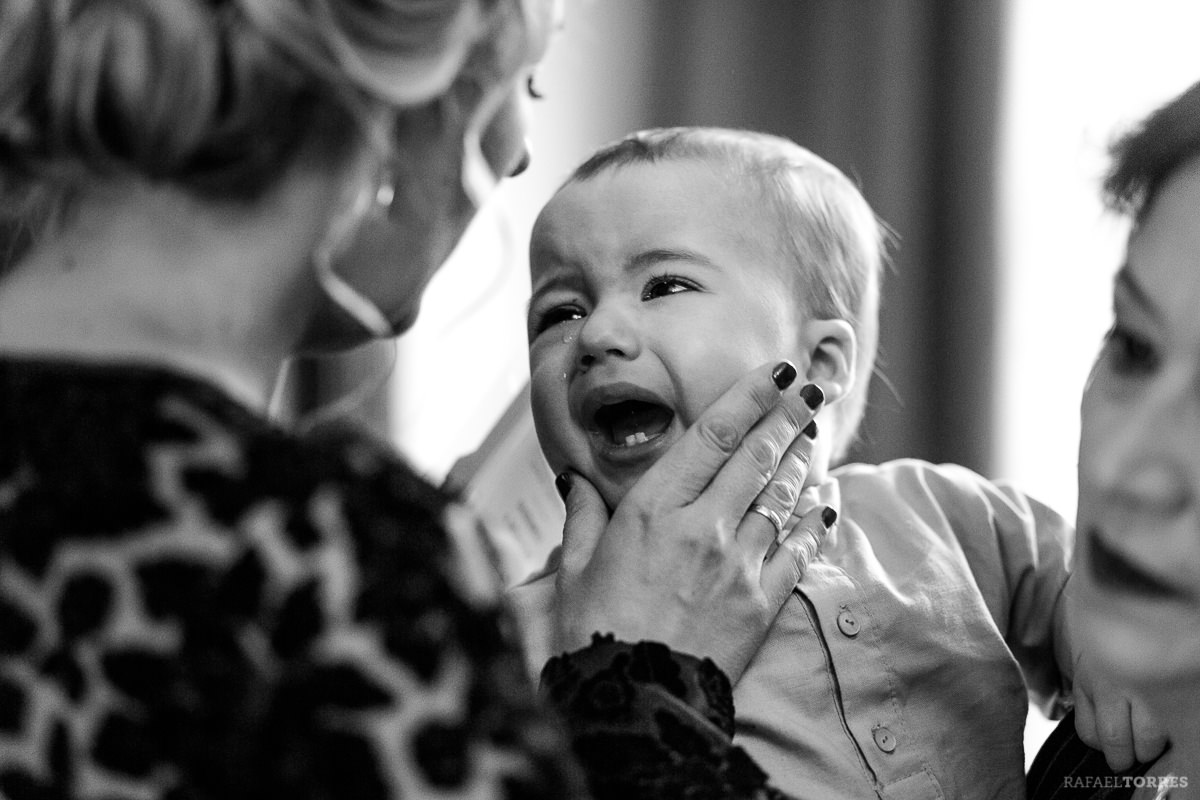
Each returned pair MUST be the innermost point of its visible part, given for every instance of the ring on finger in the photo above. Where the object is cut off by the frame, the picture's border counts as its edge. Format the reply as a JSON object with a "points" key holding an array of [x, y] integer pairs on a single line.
{"points": [[774, 516]]}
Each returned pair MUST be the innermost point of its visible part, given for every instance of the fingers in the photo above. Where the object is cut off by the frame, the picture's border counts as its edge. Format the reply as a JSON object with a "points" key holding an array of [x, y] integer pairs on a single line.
{"points": [[587, 517], [1149, 739], [764, 524], [1085, 720], [753, 465], [786, 566], [1103, 724], [761, 527], [689, 466], [1121, 727]]}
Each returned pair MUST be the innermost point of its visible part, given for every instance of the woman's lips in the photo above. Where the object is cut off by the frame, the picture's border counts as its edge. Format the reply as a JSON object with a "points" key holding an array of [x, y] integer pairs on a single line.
{"points": [[1112, 570]]}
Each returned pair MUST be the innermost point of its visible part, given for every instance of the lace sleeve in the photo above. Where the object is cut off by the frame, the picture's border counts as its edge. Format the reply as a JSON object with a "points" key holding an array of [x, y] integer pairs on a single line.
{"points": [[647, 722]]}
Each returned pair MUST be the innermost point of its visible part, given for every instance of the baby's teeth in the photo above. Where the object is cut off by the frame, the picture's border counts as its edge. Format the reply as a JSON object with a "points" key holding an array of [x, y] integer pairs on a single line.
{"points": [[636, 438]]}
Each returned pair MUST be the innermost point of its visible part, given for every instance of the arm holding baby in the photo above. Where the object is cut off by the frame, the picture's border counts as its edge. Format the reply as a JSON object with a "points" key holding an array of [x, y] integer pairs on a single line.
{"points": [[678, 570]]}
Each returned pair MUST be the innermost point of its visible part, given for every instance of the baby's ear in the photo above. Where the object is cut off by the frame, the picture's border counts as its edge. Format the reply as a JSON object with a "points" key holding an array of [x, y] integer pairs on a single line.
{"points": [[832, 349]]}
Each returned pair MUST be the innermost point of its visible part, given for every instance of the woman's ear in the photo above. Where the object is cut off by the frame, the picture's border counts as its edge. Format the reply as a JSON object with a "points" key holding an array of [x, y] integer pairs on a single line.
{"points": [[832, 349]]}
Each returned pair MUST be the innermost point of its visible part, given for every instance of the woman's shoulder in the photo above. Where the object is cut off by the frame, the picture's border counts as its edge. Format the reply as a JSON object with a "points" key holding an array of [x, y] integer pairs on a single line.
{"points": [[196, 579], [107, 452], [109, 430]]}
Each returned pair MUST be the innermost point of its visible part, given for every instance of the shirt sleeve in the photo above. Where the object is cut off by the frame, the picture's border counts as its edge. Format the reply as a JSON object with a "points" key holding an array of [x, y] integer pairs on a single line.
{"points": [[647, 722], [1019, 556]]}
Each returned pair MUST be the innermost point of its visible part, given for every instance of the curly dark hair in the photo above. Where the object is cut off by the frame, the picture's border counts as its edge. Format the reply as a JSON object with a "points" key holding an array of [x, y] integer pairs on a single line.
{"points": [[1144, 157]]}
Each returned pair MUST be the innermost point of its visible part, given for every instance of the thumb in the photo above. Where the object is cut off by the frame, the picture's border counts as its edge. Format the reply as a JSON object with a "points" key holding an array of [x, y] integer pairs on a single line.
{"points": [[787, 565], [587, 517]]}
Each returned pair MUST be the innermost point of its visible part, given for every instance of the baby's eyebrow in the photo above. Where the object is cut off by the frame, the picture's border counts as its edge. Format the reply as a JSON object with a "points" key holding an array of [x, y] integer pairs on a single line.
{"points": [[648, 258]]}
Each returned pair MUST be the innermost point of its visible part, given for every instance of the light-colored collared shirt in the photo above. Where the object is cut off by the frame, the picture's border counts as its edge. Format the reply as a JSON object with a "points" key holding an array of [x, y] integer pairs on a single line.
{"points": [[899, 666]]}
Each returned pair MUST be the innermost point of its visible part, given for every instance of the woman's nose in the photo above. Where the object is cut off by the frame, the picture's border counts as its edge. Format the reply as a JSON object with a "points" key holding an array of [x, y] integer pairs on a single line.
{"points": [[608, 332], [1142, 457]]}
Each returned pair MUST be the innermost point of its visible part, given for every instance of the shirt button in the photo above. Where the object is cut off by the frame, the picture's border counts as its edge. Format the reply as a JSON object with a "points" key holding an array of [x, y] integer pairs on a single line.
{"points": [[885, 740], [847, 623]]}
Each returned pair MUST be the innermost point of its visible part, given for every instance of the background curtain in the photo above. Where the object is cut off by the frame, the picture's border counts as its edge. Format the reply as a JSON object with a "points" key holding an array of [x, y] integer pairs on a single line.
{"points": [[904, 97]]}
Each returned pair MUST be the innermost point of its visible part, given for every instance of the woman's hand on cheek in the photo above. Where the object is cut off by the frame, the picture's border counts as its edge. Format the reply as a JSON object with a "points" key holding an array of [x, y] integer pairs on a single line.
{"points": [[683, 560]]}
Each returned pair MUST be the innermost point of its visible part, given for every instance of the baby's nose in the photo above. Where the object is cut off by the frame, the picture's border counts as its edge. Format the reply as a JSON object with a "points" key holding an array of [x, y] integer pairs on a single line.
{"points": [[607, 333]]}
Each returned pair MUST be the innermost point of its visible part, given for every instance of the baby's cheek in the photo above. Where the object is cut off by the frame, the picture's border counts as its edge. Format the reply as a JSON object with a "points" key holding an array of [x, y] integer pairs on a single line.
{"points": [[550, 420]]}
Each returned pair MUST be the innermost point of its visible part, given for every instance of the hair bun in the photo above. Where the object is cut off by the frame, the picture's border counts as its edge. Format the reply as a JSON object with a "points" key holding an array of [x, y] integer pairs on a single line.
{"points": [[108, 85], [216, 95], [135, 81]]}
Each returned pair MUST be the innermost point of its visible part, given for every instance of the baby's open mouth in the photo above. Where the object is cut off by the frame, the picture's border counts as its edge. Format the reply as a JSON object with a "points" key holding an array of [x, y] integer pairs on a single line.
{"points": [[632, 422]]}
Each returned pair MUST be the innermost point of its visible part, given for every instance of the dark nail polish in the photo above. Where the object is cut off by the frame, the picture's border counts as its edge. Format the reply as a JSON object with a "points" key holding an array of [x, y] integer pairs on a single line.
{"points": [[562, 482], [828, 517], [810, 430], [812, 395], [783, 375]]}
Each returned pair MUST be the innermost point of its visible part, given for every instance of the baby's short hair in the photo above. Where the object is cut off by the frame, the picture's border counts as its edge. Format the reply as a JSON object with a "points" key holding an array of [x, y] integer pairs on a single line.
{"points": [[827, 229]]}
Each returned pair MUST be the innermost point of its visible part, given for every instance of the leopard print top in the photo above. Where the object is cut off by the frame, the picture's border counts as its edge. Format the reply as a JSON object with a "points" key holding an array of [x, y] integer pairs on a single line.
{"points": [[197, 604]]}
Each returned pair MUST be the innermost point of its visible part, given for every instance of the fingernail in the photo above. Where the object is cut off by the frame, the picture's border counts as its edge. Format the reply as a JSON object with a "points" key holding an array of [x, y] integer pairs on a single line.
{"points": [[783, 375], [828, 517], [810, 430], [812, 395], [562, 482]]}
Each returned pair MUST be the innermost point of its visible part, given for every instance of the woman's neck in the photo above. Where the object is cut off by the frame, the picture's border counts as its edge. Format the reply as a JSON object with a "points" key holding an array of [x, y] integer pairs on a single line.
{"points": [[155, 277], [44, 321]]}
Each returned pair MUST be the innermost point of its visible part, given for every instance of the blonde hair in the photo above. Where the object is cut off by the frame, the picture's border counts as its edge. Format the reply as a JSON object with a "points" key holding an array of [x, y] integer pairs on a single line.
{"points": [[827, 231], [221, 96]]}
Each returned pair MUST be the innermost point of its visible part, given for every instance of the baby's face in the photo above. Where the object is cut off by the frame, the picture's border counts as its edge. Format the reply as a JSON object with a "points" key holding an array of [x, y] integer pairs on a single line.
{"points": [[655, 287]]}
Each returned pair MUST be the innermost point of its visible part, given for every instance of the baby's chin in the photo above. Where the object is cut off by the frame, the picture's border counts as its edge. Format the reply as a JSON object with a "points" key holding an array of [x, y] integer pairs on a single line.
{"points": [[614, 484]]}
